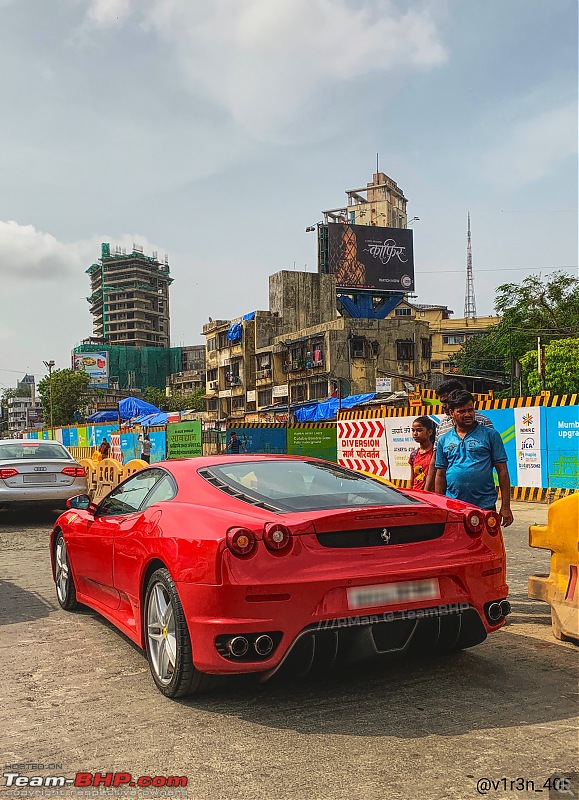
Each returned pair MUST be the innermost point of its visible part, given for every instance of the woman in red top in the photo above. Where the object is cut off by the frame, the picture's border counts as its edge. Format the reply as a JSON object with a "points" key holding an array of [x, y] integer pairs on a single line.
{"points": [[423, 433]]}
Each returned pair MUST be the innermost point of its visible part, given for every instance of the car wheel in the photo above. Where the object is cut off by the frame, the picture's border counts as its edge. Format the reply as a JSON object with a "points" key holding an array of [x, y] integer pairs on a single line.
{"points": [[168, 643], [65, 589]]}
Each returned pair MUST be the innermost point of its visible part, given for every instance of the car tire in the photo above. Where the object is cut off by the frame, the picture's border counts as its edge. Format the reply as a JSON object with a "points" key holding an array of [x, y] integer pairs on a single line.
{"points": [[65, 588], [168, 643]]}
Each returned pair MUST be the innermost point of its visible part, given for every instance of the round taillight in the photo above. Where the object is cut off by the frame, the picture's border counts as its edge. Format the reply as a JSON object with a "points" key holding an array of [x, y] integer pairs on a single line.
{"points": [[276, 537], [493, 522], [240, 541], [474, 522]]}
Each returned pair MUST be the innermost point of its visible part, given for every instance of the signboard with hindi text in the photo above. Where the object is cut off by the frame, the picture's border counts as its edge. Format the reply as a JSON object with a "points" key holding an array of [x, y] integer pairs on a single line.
{"points": [[184, 439], [362, 445]]}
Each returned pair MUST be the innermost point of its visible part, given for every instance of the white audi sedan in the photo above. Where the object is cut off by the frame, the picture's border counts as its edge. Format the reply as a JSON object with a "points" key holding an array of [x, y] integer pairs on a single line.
{"points": [[38, 471]]}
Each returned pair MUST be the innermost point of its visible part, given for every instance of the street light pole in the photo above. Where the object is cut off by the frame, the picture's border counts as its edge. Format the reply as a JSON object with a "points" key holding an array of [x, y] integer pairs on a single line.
{"points": [[50, 366]]}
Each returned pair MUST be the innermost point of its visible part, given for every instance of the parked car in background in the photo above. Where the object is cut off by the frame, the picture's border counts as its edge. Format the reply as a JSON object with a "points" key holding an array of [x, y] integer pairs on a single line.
{"points": [[222, 565], [38, 471]]}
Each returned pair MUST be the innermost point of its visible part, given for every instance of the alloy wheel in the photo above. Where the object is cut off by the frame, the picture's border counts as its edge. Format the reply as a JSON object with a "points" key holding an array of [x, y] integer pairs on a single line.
{"points": [[161, 633]]}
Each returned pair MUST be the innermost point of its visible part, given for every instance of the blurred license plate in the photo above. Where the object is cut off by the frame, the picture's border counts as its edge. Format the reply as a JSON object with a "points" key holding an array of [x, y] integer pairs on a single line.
{"points": [[50, 478], [390, 593]]}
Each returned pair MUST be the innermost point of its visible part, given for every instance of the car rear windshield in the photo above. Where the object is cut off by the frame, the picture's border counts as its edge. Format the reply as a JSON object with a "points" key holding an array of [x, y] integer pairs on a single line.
{"points": [[41, 450], [302, 485]]}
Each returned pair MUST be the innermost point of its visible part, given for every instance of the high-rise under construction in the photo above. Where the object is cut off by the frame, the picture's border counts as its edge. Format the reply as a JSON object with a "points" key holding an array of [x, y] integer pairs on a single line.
{"points": [[129, 298]]}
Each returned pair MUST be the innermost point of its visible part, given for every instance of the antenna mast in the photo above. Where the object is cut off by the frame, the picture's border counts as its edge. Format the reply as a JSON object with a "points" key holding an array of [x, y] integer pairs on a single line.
{"points": [[469, 301]]}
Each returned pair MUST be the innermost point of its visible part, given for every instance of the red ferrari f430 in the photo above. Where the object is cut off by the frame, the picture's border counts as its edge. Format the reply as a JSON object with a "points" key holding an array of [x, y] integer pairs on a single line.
{"points": [[255, 564]]}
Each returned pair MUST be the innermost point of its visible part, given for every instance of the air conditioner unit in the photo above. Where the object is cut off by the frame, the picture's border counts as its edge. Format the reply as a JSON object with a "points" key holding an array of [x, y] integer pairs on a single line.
{"points": [[213, 384]]}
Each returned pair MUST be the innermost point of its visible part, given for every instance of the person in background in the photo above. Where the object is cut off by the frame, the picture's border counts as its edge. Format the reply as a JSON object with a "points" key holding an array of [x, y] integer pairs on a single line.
{"points": [[423, 433], [235, 445], [466, 456], [146, 445], [105, 448], [445, 424]]}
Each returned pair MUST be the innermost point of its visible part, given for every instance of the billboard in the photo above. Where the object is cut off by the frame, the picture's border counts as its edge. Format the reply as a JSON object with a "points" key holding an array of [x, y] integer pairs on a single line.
{"points": [[371, 257], [96, 365]]}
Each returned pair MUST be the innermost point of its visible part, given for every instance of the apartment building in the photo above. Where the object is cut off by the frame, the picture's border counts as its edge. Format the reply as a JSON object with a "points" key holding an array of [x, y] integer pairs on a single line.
{"points": [[301, 349], [447, 335], [129, 298], [192, 373]]}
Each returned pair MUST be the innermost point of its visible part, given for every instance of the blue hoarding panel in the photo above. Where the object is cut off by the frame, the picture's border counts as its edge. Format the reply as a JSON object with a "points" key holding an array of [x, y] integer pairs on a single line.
{"points": [[259, 440]]}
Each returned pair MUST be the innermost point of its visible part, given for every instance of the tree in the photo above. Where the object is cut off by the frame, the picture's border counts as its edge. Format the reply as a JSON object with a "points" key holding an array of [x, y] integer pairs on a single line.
{"points": [[546, 307], [176, 401], [561, 368], [68, 388]]}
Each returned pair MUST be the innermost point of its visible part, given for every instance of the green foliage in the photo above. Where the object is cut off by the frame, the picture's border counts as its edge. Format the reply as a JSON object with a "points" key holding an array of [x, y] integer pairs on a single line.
{"points": [[546, 307], [68, 388], [561, 368], [177, 401]]}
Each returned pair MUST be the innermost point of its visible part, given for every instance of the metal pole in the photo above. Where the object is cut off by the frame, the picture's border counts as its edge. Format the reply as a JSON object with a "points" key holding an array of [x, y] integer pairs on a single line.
{"points": [[50, 367]]}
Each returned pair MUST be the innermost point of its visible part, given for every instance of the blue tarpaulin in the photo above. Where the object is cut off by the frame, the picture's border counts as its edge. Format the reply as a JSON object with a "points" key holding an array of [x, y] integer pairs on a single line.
{"points": [[235, 332], [133, 407], [328, 409], [104, 416]]}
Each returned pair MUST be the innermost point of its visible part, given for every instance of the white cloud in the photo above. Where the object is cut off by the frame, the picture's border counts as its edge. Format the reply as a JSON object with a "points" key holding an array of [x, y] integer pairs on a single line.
{"points": [[28, 255], [534, 148], [268, 62]]}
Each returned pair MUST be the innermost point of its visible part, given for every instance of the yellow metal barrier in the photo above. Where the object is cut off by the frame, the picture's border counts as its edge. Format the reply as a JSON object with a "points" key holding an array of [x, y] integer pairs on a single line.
{"points": [[561, 536]]}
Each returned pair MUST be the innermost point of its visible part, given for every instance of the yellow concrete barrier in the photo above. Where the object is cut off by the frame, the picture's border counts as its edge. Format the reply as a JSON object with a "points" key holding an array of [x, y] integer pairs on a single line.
{"points": [[561, 536]]}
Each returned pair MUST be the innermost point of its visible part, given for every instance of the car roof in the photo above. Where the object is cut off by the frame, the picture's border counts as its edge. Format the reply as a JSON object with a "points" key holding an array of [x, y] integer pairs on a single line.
{"points": [[31, 441]]}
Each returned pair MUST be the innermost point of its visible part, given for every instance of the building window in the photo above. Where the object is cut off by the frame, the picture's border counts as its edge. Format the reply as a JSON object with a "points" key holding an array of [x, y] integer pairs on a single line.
{"points": [[404, 350], [223, 341], [456, 338], [358, 348], [298, 394], [264, 361], [212, 405], [403, 312], [264, 398], [237, 403], [426, 348], [212, 375], [212, 343], [318, 390]]}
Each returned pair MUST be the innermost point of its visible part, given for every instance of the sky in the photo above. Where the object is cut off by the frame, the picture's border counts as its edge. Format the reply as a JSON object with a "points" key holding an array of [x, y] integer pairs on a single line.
{"points": [[216, 132]]}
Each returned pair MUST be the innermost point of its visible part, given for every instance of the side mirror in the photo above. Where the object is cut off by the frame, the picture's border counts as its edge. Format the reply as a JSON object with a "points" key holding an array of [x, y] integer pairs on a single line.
{"points": [[81, 501]]}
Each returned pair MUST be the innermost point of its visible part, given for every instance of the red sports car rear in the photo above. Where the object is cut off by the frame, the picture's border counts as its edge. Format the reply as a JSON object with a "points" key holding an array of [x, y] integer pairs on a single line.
{"points": [[258, 564]]}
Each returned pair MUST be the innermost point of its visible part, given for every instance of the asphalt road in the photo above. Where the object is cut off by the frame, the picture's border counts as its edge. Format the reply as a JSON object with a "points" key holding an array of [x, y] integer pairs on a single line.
{"points": [[76, 694]]}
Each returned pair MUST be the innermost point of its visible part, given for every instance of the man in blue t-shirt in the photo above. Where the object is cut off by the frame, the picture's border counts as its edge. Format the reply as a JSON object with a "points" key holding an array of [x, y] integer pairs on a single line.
{"points": [[466, 456]]}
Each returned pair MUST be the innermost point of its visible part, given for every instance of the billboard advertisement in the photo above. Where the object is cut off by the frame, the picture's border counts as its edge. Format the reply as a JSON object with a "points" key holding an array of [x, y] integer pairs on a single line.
{"points": [[96, 365], [371, 257]]}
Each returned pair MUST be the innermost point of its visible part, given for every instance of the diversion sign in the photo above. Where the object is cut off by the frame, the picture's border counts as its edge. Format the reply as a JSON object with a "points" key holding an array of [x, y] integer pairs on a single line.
{"points": [[184, 439], [370, 257]]}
